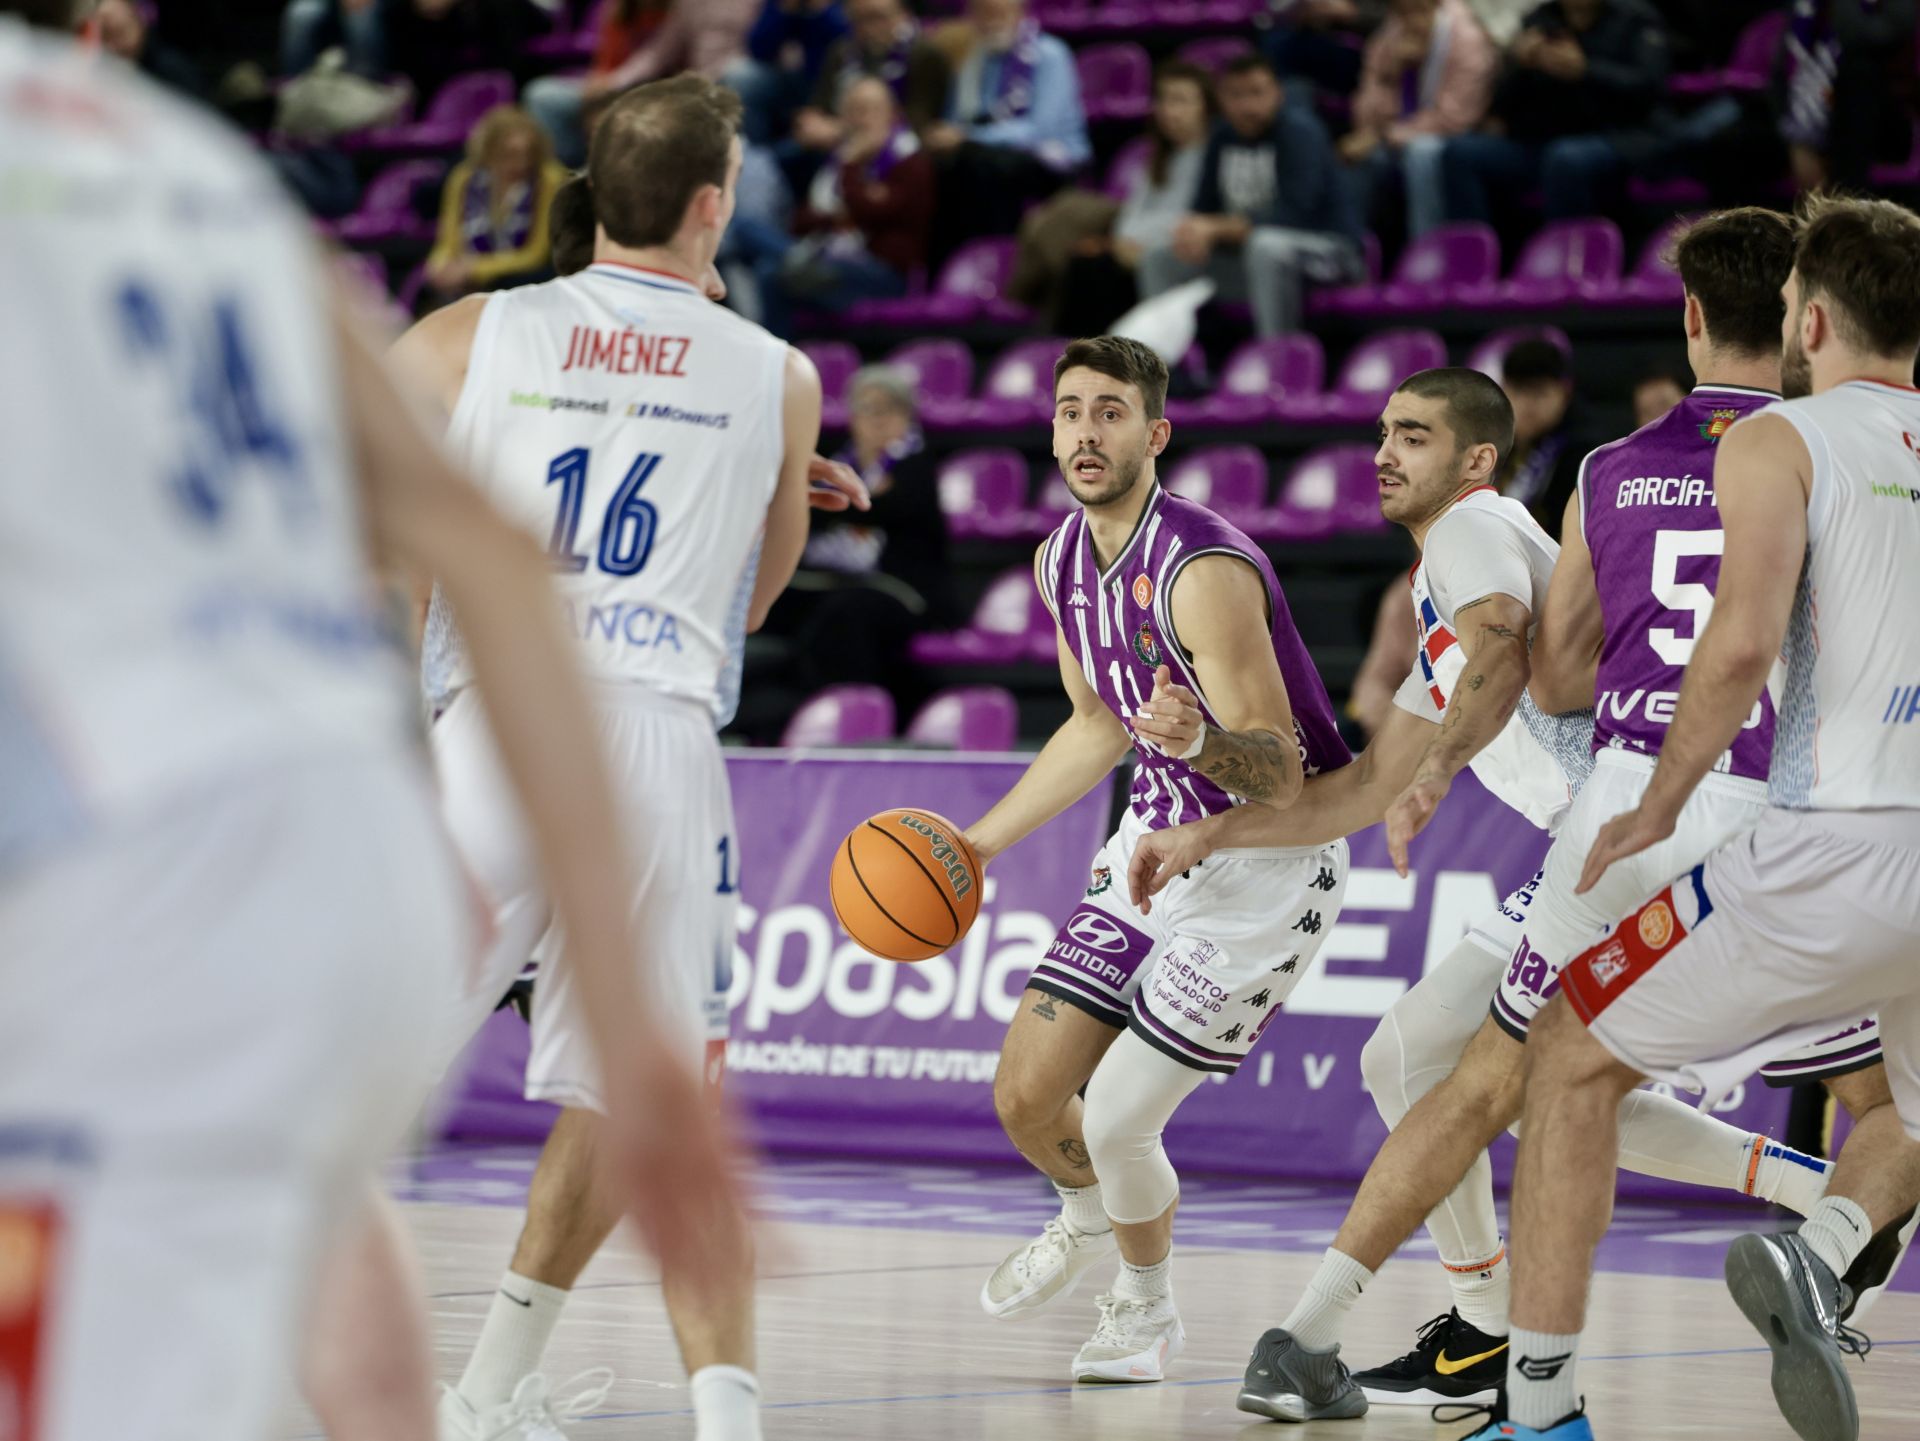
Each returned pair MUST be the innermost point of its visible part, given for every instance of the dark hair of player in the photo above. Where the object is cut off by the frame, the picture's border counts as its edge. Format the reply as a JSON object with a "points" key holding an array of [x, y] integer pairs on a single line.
{"points": [[653, 151], [1862, 259], [1534, 361], [1478, 411], [1247, 64], [1734, 262], [570, 223], [1127, 361]]}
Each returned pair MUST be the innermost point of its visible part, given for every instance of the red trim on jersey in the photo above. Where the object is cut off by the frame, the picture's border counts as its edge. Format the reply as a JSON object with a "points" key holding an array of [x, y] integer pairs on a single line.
{"points": [[649, 270], [1874, 380], [30, 1236], [1596, 978]]}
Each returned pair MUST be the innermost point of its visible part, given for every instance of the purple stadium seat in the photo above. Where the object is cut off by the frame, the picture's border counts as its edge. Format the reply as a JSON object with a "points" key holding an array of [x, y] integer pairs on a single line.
{"points": [[1116, 81], [1747, 68], [942, 372], [1565, 262], [1331, 490], [1230, 481], [1009, 625], [1375, 367], [971, 284], [1432, 269], [983, 494], [1129, 163], [836, 361], [968, 718], [841, 715], [1018, 389], [387, 210], [461, 102], [1055, 503], [1490, 354], [1654, 281], [567, 45], [1213, 53], [1268, 379]]}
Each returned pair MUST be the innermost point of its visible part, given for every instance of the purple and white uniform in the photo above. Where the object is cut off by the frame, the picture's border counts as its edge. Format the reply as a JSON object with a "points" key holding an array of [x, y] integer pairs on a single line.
{"points": [[1647, 513], [1201, 976]]}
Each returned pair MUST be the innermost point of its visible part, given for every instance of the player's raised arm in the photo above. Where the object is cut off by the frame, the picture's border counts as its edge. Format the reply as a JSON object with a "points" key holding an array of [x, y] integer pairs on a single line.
{"points": [[1761, 479], [787, 519], [670, 1155], [1566, 646], [1075, 759]]}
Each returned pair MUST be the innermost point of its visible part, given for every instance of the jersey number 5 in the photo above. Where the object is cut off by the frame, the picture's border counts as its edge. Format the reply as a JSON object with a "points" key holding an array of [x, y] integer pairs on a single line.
{"points": [[626, 531], [1669, 546]]}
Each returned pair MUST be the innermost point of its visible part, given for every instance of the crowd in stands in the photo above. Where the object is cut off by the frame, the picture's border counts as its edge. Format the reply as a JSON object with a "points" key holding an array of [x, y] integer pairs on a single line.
{"points": [[1246, 167]]}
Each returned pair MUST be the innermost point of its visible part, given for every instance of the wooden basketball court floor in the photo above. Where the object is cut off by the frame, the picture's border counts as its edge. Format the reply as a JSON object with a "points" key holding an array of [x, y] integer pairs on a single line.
{"points": [[870, 1328]]}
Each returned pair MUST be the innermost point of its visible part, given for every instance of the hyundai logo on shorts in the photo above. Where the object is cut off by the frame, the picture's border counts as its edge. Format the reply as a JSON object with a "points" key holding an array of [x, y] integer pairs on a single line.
{"points": [[1097, 932]]}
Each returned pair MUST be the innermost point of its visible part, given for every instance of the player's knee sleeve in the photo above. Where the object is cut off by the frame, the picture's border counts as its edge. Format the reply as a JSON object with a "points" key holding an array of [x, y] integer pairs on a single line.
{"points": [[1134, 1092], [1382, 1066]]}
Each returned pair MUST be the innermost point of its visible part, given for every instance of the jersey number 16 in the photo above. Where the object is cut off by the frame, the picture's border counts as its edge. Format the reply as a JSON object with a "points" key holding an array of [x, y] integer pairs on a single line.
{"points": [[626, 531]]}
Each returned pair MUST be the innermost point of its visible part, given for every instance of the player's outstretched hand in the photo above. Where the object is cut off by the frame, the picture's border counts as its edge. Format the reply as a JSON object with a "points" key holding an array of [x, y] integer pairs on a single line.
{"points": [[1627, 834], [1171, 717], [1159, 856], [672, 1159], [1409, 814], [835, 485]]}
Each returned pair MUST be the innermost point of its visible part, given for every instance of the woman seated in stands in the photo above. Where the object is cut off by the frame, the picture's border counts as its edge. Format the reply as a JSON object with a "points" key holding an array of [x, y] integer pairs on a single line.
{"points": [[493, 212]]}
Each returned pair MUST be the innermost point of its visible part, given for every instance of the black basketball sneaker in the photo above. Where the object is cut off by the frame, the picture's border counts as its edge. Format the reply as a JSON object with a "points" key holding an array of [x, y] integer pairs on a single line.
{"points": [[1867, 1277], [1451, 1362]]}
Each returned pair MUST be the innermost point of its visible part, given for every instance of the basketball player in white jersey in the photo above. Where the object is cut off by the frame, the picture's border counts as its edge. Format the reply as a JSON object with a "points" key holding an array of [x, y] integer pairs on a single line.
{"points": [[1482, 581], [229, 912], [649, 438], [1808, 918]]}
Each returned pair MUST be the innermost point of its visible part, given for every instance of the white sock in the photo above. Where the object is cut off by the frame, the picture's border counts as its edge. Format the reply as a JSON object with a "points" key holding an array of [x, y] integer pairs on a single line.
{"points": [[1084, 1210], [1540, 1378], [1480, 1291], [1317, 1318], [1788, 1177], [726, 1404], [512, 1340], [1836, 1230], [1146, 1283]]}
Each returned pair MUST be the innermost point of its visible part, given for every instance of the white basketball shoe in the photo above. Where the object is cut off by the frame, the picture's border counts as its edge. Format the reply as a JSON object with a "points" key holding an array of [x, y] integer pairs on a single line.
{"points": [[530, 1414], [1045, 1269], [1135, 1341]]}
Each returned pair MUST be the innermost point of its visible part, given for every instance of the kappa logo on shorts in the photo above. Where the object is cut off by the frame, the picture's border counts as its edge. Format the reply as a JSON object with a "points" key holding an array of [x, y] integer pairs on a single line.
{"points": [[1142, 591], [1657, 925], [1097, 933]]}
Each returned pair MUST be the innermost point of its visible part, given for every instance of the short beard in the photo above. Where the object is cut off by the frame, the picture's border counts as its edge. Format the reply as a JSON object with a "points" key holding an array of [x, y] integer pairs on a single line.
{"points": [[1796, 371], [1120, 482]]}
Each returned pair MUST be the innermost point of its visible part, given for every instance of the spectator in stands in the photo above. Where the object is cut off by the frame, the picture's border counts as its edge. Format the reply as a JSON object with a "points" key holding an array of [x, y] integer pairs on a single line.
{"points": [[1273, 210], [1079, 250], [1657, 392], [308, 27], [1315, 42], [863, 231], [559, 102], [1544, 465], [1426, 75], [884, 40], [786, 51], [494, 210], [1843, 68], [123, 31], [1015, 128], [1576, 65]]}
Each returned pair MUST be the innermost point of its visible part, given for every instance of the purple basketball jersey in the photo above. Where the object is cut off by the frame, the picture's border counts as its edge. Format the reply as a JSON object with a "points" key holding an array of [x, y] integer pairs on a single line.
{"points": [[1119, 627], [1648, 513]]}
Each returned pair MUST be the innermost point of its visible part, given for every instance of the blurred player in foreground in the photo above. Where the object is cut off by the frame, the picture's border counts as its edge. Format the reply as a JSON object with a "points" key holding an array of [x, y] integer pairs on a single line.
{"points": [[230, 913], [1809, 918]]}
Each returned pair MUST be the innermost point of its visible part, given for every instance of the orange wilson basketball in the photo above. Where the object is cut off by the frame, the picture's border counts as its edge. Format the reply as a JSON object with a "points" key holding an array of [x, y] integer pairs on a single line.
{"points": [[906, 884]]}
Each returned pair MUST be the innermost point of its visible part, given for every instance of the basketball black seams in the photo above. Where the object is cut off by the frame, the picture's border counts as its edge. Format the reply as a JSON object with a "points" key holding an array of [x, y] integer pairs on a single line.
{"points": [[939, 882], [854, 866]]}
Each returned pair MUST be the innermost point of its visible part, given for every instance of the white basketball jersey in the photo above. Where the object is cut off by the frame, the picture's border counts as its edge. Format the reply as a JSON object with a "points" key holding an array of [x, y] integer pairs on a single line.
{"points": [[634, 428], [1538, 762], [1848, 734], [183, 594]]}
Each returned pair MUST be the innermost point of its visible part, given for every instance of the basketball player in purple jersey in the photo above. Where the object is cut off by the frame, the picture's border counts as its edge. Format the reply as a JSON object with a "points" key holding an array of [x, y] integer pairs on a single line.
{"points": [[1140, 1011]]}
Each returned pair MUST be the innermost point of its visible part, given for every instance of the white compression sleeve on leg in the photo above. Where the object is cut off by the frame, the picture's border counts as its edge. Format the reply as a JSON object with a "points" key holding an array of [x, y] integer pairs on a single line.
{"points": [[1134, 1092], [1664, 1136]]}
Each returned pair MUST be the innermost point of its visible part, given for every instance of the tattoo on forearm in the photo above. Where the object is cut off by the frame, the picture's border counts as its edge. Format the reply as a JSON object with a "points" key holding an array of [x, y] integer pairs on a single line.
{"points": [[1044, 1009], [1076, 1154], [1251, 764]]}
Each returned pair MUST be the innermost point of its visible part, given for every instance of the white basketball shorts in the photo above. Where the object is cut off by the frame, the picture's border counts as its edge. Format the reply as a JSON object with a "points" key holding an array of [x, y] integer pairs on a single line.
{"points": [[1775, 940], [670, 782], [217, 1022], [1560, 923], [1202, 976]]}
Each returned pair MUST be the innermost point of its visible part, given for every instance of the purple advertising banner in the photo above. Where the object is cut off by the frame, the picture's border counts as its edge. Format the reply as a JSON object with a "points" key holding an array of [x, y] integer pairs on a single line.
{"points": [[835, 1051]]}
